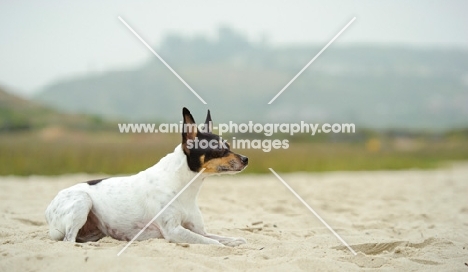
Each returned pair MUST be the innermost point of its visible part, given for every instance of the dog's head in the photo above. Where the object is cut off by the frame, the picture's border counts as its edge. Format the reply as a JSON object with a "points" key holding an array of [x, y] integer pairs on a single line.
{"points": [[207, 150]]}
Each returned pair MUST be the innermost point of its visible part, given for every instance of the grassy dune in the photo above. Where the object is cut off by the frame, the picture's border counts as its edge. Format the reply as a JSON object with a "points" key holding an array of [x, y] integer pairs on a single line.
{"points": [[58, 152]]}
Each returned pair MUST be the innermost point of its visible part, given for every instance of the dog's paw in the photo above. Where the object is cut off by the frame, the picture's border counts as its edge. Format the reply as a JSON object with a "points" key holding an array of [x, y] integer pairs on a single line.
{"points": [[234, 242]]}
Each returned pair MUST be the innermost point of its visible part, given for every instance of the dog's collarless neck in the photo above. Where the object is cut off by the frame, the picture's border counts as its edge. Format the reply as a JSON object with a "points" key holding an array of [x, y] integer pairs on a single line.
{"points": [[173, 164]]}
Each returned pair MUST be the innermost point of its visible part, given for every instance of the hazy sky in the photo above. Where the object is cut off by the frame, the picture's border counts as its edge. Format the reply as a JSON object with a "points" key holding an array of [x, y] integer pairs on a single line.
{"points": [[42, 41]]}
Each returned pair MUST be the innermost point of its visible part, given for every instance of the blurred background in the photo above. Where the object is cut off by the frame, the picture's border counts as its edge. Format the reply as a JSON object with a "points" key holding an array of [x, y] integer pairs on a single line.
{"points": [[69, 72]]}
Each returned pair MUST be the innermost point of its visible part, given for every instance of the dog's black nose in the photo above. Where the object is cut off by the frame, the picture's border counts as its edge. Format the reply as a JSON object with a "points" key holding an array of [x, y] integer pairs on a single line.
{"points": [[244, 159]]}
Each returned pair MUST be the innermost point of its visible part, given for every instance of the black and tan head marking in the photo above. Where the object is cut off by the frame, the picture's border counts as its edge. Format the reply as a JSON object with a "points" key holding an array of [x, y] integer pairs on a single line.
{"points": [[216, 158]]}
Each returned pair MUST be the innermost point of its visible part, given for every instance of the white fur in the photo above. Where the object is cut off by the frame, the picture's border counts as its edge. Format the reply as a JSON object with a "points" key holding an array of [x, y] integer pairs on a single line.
{"points": [[124, 205]]}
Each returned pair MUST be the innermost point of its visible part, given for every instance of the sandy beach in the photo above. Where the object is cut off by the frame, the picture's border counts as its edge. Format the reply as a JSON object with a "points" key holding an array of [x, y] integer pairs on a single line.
{"points": [[395, 220]]}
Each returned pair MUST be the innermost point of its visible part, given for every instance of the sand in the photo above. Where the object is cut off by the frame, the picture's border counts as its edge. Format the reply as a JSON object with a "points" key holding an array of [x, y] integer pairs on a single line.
{"points": [[403, 220]]}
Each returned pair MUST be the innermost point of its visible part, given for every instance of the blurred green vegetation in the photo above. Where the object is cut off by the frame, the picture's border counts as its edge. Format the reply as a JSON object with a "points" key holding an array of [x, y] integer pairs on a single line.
{"points": [[53, 151], [20, 115], [28, 154]]}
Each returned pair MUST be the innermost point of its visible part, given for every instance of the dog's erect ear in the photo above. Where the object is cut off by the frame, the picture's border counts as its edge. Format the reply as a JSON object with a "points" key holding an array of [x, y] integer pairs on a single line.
{"points": [[208, 123], [189, 128]]}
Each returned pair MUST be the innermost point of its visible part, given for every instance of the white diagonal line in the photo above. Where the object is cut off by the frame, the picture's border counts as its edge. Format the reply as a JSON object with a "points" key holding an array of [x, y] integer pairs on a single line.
{"points": [[161, 59], [310, 62], [312, 210], [160, 212]]}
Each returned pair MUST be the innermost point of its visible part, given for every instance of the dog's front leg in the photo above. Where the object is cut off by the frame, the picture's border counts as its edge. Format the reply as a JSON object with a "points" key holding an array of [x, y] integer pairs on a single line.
{"points": [[180, 234], [227, 241], [197, 225]]}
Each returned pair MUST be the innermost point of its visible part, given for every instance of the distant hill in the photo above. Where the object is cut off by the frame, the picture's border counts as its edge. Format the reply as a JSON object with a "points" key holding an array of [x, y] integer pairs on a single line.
{"points": [[376, 87], [18, 114]]}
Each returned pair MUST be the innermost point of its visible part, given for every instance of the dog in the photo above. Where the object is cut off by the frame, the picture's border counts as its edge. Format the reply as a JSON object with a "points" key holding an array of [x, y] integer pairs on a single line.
{"points": [[120, 207]]}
